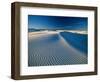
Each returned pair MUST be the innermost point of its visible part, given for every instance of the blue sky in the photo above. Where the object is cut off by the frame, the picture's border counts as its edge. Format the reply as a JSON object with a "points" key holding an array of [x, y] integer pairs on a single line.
{"points": [[57, 22]]}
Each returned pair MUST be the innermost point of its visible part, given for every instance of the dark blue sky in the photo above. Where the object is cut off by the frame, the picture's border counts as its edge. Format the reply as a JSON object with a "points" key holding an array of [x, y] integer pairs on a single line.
{"points": [[57, 22]]}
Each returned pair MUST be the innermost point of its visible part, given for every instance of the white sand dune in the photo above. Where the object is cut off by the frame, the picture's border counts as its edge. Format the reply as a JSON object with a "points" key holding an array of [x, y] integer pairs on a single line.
{"points": [[50, 48]]}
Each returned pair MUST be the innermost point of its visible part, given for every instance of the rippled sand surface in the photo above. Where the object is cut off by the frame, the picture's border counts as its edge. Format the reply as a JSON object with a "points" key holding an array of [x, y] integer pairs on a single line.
{"points": [[51, 48]]}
